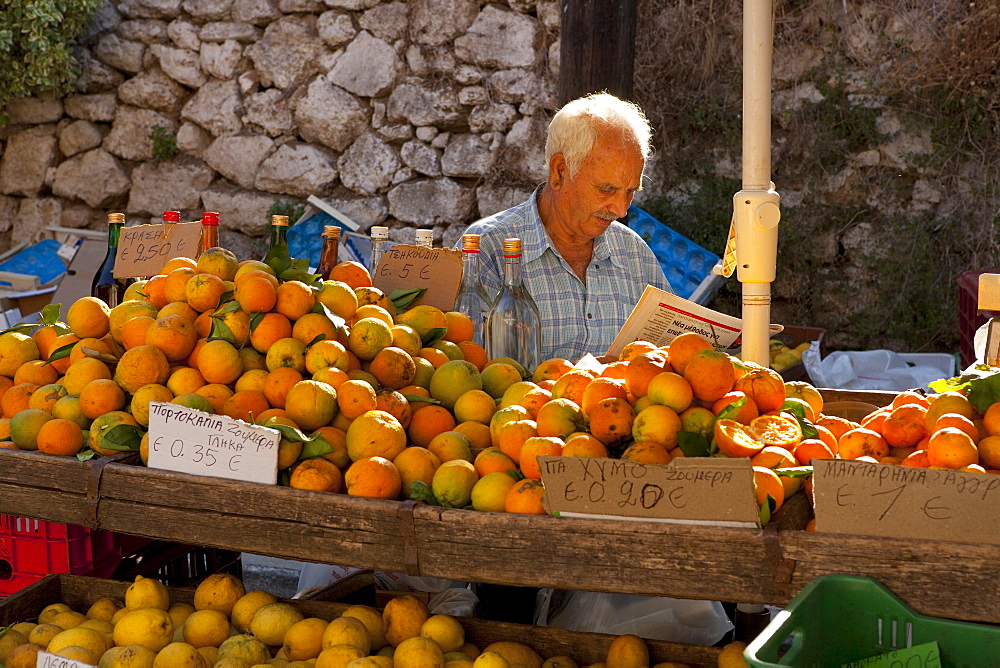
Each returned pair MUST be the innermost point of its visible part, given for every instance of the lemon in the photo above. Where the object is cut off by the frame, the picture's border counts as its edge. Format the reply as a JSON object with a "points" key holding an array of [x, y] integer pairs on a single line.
{"points": [[69, 619], [453, 482], [81, 654], [206, 628], [132, 656], [489, 492], [219, 591], [146, 593], [43, 633], [515, 653], [179, 612], [348, 631], [247, 605], [271, 622], [210, 654], [244, 648], [731, 655], [104, 608], [50, 611], [403, 617], [372, 619], [491, 660], [628, 651], [149, 627], [304, 639], [89, 639], [445, 631], [10, 640], [418, 651], [338, 655], [178, 655]]}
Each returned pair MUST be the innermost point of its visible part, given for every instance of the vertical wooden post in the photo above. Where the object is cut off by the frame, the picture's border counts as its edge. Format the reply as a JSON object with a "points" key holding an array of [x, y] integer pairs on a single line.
{"points": [[597, 48]]}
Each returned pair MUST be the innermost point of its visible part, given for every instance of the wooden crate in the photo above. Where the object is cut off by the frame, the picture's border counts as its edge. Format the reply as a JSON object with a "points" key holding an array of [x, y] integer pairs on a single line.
{"points": [[51, 487], [80, 592]]}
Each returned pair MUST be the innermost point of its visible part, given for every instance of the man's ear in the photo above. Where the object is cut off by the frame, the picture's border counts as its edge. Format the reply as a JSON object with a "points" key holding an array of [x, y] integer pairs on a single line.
{"points": [[558, 171]]}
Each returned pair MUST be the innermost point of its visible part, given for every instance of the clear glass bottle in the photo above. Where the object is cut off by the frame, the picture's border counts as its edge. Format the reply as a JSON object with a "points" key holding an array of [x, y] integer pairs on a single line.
{"points": [[330, 252], [513, 325], [472, 299], [105, 286], [209, 230], [425, 238], [380, 240], [279, 228]]}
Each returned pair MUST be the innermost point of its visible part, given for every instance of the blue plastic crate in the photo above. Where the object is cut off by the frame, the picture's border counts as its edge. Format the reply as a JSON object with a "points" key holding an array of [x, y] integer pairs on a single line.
{"points": [[305, 237], [41, 260], [685, 263]]}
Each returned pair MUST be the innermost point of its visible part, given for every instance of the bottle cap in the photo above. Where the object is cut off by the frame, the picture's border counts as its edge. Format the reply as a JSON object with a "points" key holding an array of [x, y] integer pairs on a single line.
{"points": [[511, 247], [331, 232], [425, 236], [379, 233], [209, 218], [171, 216], [279, 221], [116, 218], [470, 243]]}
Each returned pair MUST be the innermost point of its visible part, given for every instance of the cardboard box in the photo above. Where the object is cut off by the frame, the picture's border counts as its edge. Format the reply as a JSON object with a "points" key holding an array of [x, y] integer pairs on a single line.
{"points": [[712, 491], [891, 501]]}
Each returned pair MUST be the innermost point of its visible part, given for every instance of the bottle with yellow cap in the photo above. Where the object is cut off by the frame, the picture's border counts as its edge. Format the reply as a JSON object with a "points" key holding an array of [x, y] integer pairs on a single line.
{"points": [[472, 299], [279, 228], [513, 325], [105, 286]]}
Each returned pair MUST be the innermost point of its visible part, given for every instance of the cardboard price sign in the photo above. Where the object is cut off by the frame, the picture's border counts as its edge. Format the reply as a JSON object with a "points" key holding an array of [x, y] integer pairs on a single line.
{"points": [[46, 660], [187, 440], [900, 502], [144, 249], [700, 490], [404, 267]]}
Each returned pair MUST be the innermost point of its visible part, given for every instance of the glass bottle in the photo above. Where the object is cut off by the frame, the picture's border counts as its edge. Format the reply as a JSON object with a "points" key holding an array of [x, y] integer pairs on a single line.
{"points": [[513, 325], [472, 299], [331, 250], [279, 228], [425, 238], [105, 286], [209, 230], [380, 239]]}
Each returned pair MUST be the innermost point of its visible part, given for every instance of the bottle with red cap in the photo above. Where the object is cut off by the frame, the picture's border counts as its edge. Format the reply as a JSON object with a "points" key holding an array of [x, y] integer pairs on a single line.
{"points": [[209, 230]]}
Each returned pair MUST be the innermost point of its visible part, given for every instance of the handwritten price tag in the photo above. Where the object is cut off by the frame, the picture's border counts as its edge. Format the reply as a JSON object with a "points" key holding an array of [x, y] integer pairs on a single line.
{"points": [[437, 269], [144, 249], [190, 441], [901, 502], [699, 491], [46, 660]]}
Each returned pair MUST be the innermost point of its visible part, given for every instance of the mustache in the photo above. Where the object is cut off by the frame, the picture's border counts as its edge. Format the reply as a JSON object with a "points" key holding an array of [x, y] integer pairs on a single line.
{"points": [[606, 215]]}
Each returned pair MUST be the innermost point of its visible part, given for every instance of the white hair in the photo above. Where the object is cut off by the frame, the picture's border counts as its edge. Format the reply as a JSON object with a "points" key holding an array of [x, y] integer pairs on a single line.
{"points": [[574, 129]]}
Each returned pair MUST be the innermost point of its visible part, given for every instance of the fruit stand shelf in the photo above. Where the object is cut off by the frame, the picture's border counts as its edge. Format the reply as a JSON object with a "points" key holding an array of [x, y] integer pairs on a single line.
{"points": [[935, 578]]}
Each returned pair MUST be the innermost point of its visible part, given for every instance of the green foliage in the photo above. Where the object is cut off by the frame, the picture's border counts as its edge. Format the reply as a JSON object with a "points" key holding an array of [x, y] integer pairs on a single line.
{"points": [[286, 207], [36, 41], [164, 144]]}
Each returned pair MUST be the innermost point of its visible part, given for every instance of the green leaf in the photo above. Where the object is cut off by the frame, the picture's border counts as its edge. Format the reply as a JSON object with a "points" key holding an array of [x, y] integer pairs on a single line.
{"points": [[403, 298], [20, 328], [50, 314], [516, 475], [693, 444], [228, 305], [419, 397], [60, 352], [278, 259], [288, 432], [799, 411], [421, 492], [984, 392], [765, 511], [337, 321], [86, 455], [316, 446], [124, 437], [732, 409], [256, 319], [795, 471], [302, 275], [220, 331], [433, 336]]}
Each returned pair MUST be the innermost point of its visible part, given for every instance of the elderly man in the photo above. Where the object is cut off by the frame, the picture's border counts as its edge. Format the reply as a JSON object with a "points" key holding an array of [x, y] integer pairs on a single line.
{"points": [[585, 270]]}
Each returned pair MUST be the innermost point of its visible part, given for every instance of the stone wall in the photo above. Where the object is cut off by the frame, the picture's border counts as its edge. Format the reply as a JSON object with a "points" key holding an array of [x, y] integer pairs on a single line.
{"points": [[419, 114]]}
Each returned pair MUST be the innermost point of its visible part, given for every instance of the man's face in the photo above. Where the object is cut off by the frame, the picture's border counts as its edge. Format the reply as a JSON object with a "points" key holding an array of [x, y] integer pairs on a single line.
{"points": [[602, 189]]}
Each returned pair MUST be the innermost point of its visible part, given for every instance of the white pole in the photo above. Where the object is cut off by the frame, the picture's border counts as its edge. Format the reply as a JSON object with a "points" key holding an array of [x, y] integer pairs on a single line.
{"points": [[755, 208]]}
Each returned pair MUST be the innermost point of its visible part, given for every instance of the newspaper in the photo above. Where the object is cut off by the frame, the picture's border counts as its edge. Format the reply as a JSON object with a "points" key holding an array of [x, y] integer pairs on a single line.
{"points": [[660, 316]]}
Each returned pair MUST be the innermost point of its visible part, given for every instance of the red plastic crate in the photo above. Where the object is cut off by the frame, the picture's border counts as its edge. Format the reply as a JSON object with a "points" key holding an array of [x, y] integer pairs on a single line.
{"points": [[969, 317], [31, 549]]}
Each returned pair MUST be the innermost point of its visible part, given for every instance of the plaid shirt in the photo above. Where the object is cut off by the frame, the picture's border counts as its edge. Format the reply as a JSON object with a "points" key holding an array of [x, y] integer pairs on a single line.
{"points": [[577, 318]]}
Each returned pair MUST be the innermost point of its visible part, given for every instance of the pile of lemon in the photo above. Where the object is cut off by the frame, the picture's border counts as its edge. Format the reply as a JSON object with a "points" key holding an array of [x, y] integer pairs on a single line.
{"points": [[227, 627]]}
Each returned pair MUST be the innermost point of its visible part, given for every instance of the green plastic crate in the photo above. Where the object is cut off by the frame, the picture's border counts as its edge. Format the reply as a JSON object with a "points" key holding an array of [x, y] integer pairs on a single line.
{"points": [[837, 619]]}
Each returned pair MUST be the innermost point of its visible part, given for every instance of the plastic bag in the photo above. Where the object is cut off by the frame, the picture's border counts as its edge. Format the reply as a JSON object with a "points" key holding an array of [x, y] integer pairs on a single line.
{"points": [[876, 369], [457, 602], [654, 617]]}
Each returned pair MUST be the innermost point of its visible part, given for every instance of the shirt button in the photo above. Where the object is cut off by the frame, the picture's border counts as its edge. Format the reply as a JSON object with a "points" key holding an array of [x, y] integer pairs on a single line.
{"points": [[597, 266], [590, 315]]}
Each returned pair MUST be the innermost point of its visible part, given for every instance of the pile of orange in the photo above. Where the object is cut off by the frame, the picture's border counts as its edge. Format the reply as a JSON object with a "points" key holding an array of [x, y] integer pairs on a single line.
{"points": [[399, 404]]}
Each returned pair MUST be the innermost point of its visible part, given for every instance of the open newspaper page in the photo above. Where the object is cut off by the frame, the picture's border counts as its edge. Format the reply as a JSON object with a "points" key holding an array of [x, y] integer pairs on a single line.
{"points": [[660, 316]]}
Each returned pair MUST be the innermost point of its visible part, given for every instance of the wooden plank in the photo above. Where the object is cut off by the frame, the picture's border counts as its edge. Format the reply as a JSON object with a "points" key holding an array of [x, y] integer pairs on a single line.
{"points": [[874, 397], [50, 487], [80, 592], [596, 48], [935, 578], [251, 517]]}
